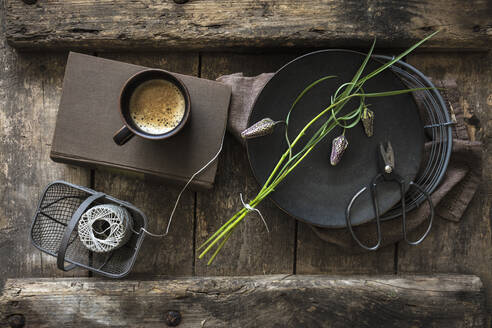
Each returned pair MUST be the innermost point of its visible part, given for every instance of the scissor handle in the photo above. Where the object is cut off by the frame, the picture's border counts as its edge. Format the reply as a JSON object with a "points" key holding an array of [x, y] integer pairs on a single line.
{"points": [[404, 223], [374, 195], [378, 223]]}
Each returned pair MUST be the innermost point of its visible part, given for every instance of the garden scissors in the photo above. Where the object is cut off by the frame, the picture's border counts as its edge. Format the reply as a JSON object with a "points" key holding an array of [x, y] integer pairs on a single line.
{"points": [[387, 174]]}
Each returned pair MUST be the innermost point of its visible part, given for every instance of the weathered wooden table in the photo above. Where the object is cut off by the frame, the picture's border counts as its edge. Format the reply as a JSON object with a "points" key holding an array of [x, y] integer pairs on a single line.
{"points": [[207, 39]]}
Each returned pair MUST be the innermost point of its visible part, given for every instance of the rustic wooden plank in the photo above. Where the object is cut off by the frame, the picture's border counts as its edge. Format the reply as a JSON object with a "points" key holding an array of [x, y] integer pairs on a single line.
{"points": [[464, 246], [30, 89], [250, 250], [173, 254], [210, 24], [261, 301]]}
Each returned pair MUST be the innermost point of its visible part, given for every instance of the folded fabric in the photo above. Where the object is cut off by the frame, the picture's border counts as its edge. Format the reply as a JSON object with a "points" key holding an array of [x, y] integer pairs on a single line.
{"points": [[450, 198], [244, 92]]}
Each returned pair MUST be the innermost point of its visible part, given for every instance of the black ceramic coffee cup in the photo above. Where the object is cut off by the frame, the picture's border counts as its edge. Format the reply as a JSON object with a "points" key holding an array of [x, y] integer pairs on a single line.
{"points": [[130, 128]]}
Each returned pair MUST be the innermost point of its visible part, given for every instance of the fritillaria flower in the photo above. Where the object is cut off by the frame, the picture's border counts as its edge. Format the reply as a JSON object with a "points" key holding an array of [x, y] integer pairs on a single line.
{"points": [[367, 118], [260, 129], [338, 147]]}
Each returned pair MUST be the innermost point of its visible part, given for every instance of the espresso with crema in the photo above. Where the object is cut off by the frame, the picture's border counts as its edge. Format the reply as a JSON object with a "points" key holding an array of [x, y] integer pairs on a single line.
{"points": [[157, 106]]}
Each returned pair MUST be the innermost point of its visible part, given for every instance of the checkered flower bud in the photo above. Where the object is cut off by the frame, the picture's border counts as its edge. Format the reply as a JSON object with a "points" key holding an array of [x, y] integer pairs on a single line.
{"points": [[367, 119], [338, 146], [259, 129]]}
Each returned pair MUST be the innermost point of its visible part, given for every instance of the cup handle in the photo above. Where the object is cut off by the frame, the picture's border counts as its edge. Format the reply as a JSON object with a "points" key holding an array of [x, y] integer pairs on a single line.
{"points": [[122, 136]]}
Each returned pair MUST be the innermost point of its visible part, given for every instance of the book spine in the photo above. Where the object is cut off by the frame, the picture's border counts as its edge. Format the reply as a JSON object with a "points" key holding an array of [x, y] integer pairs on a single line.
{"points": [[195, 185]]}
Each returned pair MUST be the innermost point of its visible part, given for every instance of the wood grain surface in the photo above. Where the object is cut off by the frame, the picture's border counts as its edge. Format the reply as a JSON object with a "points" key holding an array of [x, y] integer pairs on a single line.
{"points": [[261, 301], [210, 24], [315, 256], [172, 254], [464, 246], [30, 89]]}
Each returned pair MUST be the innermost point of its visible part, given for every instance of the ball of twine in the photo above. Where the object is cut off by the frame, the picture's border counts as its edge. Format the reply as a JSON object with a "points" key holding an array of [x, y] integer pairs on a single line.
{"points": [[104, 228]]}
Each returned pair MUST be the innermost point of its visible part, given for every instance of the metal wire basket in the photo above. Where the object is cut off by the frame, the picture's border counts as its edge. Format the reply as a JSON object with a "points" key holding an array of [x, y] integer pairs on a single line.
{"points": [[54, 230]]}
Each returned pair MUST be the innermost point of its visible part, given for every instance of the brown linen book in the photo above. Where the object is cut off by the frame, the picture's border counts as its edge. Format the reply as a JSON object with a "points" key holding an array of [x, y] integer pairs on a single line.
{"points": [[88, 117]]}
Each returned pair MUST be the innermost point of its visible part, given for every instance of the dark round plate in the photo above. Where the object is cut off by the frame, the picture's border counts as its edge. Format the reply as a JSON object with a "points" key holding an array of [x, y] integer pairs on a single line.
{"points": [[315, 191]]}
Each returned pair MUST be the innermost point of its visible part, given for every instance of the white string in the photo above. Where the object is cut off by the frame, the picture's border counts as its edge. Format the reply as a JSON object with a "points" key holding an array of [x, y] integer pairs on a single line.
{"points": [[115, 235], [181, 192], [249, 208]]}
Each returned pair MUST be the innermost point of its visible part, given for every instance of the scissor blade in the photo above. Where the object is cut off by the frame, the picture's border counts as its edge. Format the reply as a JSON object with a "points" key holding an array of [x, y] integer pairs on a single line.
{"points": [[391, 154], [387, 154]]}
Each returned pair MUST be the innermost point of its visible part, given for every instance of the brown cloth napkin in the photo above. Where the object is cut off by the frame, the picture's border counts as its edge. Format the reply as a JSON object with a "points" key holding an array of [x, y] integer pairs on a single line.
{"points": [[450, 199], [244, 92]]}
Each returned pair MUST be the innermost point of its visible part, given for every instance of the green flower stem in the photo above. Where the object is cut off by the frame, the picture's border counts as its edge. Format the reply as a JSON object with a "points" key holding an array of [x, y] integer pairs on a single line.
{"points": [[394, 60], [219, 248], [221, 228], [287, 152], [226, 230], [303, 92]]}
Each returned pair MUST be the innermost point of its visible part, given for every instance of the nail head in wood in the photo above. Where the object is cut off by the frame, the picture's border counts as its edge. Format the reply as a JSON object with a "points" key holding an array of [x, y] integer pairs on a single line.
{"points": [[173, 318], [29, 2], [16, 321], [180, 1]]}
